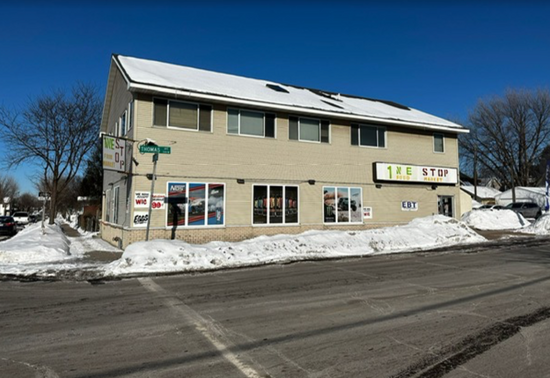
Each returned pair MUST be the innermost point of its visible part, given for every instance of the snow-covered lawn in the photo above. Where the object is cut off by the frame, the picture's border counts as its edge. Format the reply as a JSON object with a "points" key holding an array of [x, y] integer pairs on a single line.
{"points": [[32, 252]]}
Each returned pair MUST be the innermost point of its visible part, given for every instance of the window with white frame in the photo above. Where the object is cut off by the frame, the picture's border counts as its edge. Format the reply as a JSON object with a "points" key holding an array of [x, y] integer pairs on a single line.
{"points": [[108, 205], [182, 115], [275, 204], [252, 123], [368, 136], [195, 204], [308, 129], [122, 123], [130, 115], [342, 204], [116, 198], [439, 143]]}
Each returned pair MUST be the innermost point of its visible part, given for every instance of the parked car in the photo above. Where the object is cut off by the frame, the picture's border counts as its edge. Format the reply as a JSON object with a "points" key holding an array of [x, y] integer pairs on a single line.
{"points": [[490, 207], [21, 217], [7, 226], [527, 209]]}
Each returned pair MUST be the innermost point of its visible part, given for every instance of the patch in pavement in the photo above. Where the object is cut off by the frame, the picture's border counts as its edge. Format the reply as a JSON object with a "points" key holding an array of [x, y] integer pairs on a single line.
{"points": [[472, 346]]}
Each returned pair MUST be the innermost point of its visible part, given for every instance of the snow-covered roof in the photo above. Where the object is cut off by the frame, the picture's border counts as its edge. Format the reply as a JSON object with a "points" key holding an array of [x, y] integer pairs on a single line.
{"points": [[482, 191], [158, 77]]}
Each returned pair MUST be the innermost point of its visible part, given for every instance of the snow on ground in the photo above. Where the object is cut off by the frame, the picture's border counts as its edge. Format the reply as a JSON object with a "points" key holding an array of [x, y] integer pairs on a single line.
{"points": [[540, 227], [494, 219], [34, 245], [33, 253], [177, 256]]}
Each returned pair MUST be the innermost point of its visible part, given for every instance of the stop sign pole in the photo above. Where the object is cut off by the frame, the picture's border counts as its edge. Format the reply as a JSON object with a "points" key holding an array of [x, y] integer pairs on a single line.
{"points": [[153, 179], [152, 147]]}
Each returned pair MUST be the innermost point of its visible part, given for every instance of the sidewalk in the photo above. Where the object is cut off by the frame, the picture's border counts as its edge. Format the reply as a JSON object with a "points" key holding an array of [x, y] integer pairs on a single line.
{"points": [[92, 247]]}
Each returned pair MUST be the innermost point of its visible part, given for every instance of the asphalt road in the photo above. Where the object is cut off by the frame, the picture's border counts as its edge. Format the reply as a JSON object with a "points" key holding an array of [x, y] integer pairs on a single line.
{"points": [[460, 314]]}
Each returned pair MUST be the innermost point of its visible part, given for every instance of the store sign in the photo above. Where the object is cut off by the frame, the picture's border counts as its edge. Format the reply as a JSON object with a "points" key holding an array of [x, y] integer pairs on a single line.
{"points": [[140, 218], [415, 173], [158, 203], [141, 199], [409, 206], [367, 212], [114, 154]]}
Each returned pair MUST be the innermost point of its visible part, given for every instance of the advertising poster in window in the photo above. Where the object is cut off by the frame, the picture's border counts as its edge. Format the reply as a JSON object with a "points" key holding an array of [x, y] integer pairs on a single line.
{"points": [[260, 205], [291, 204], [177, 192], [275, 204], [329, 195], [343, 205], [355, 205], [215, 204], [197, 204]]}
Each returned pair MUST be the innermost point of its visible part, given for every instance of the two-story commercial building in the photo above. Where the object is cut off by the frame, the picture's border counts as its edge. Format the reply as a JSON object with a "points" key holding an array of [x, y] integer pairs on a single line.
{"points": [[242, 157]]}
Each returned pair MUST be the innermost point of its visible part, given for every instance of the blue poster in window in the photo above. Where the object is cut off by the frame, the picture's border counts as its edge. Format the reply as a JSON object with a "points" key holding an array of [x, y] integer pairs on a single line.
{"points": [[197, 204], [215, 204]]}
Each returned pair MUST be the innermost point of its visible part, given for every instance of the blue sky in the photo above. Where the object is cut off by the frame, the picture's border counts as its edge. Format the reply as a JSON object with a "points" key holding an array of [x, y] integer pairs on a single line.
{"points": [[439, 57]]}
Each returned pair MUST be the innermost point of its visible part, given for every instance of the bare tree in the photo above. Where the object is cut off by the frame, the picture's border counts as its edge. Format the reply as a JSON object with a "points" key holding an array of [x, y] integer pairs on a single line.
{"points": [[508, 135], [28, 202], [55, 132], [8, 187]]}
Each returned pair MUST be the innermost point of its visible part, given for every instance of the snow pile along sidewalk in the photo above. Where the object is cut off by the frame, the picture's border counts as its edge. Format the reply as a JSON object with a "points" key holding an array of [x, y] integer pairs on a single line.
{"points": [[540, 227], [30, 245], [177, 256], [494, 219]]}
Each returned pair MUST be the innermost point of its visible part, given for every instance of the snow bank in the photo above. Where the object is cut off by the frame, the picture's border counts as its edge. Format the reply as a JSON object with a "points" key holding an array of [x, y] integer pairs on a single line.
{"points": [[177, 256], [540, 227], [494, 219], [30, 245]]}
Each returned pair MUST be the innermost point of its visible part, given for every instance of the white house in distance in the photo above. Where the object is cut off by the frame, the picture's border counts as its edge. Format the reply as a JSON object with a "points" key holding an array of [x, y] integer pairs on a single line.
{"points": [[523, 194], [483, 194]]}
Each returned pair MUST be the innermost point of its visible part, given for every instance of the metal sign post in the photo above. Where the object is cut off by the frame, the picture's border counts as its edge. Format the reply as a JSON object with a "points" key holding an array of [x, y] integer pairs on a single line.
{"points": [[155, 159], [44, 196]]}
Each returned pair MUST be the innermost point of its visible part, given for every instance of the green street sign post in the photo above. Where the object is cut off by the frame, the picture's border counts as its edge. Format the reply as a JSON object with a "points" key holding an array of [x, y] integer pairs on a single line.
{"points": [[155, 149]]}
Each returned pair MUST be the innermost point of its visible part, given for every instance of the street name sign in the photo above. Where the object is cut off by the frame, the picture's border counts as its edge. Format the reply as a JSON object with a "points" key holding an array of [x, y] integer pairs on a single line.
{"points": [[155, 149]]}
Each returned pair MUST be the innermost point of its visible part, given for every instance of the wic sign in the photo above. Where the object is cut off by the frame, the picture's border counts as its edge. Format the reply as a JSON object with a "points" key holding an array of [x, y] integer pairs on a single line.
{"points": [[141, 200]]}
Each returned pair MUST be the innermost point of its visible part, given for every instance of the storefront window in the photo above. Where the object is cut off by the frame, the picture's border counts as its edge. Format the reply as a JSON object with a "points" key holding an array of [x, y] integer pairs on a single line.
{"points": [[342, 205], [189, 205], [275, 204]]}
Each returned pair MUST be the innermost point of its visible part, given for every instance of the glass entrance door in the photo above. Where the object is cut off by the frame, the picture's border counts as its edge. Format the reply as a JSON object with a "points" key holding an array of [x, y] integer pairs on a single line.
{"points": [[445, 205]]}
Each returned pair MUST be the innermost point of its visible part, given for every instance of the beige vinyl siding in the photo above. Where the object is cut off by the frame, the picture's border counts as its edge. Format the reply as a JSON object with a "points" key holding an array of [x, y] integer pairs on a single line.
{"points": [[221, 157], [120, 100]]}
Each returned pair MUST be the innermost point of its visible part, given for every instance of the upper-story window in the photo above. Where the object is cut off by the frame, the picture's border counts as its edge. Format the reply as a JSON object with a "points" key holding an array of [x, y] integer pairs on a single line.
{"points": [[439, 143], [123, 127], [308, 130], [248, 122], [182, 115], [369, 136]]}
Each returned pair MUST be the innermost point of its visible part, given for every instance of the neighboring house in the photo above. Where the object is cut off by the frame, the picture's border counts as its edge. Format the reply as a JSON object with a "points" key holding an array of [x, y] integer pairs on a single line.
{"points": [[255, 157], [523, 194], [482, 194]]}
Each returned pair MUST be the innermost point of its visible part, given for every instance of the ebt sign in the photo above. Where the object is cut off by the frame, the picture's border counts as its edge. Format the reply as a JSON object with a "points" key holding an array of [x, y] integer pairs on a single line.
{"points": [[415, 173]]}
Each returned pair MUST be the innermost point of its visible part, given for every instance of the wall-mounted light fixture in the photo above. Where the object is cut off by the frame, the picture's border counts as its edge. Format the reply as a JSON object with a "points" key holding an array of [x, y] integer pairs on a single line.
{"points": [[240, 181], [434, 187], [378, 186], [311, 182]]}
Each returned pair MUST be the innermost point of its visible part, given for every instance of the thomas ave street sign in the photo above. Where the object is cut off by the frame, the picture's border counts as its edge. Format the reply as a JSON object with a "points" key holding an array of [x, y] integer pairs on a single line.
{"points": [[155, 149]]}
